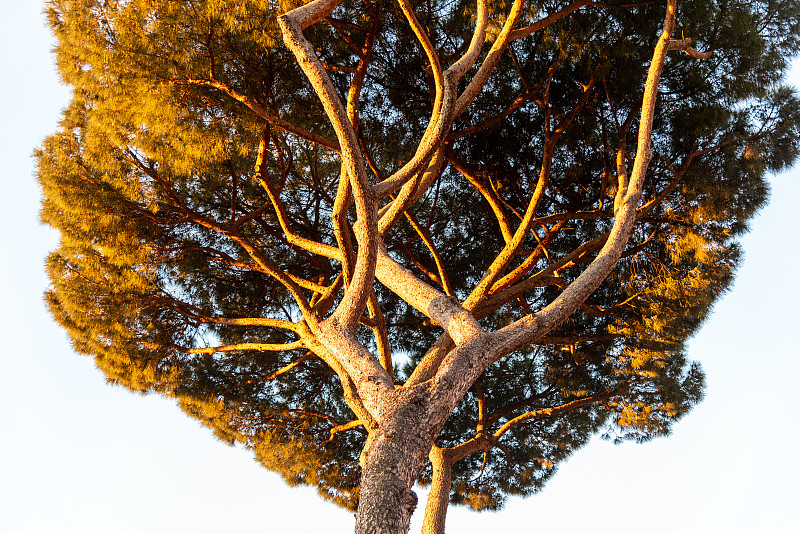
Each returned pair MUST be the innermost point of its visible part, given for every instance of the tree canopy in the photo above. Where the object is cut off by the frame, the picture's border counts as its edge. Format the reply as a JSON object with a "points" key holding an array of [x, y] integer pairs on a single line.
{"points": [[284, 215]]}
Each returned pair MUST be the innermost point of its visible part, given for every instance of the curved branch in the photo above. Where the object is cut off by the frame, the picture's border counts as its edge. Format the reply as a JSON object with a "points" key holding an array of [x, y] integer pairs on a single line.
{"points": [[530, 262], [344, 427], [381, 334], [549, 412], [488, 194], [347, 314], [390, 213], [509, 251], [444, 101], [292, 283], [261, 111], [529, 328], [314, 247], [491, 60], [276, 374]]}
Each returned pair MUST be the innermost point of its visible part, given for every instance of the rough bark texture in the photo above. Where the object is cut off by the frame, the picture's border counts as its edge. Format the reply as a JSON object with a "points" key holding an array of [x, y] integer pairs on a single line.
{"points": [[439, 498], [395, 456]]}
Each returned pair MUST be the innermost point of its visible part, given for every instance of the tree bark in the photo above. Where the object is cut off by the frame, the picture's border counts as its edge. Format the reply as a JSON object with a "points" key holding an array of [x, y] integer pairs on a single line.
{"points": [[394, 457], [439, 496]]}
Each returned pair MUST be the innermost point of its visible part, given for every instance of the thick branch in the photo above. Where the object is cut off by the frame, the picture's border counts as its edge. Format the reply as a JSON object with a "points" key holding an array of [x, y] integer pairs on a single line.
{"points": [[439, 491], [344, 427], [529, 328], [353, 302], [441, 309], [444, 101]]}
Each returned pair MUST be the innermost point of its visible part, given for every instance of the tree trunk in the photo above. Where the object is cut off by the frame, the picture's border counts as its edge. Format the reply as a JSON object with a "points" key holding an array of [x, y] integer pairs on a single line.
{"points": [[392, 463]]}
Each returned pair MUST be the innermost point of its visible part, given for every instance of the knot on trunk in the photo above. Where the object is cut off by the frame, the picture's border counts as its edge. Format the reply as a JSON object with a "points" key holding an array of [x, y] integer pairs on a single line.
{"points": [[409, 500]]}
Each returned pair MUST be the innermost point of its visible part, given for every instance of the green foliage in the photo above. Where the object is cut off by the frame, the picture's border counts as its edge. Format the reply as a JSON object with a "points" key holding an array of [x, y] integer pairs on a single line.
{"points": [[151, 181]]}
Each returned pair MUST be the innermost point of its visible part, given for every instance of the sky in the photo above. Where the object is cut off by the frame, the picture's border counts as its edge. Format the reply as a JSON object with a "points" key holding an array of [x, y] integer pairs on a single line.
{"points": [[80, 456]]}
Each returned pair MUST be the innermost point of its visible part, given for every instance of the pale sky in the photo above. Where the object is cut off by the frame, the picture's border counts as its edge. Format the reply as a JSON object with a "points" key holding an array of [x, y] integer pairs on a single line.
{"points": [[79, 456]]}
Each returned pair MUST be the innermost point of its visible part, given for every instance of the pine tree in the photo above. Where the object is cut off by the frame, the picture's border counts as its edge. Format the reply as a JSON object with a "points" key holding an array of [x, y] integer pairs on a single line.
{"points": [[380, 243]]}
